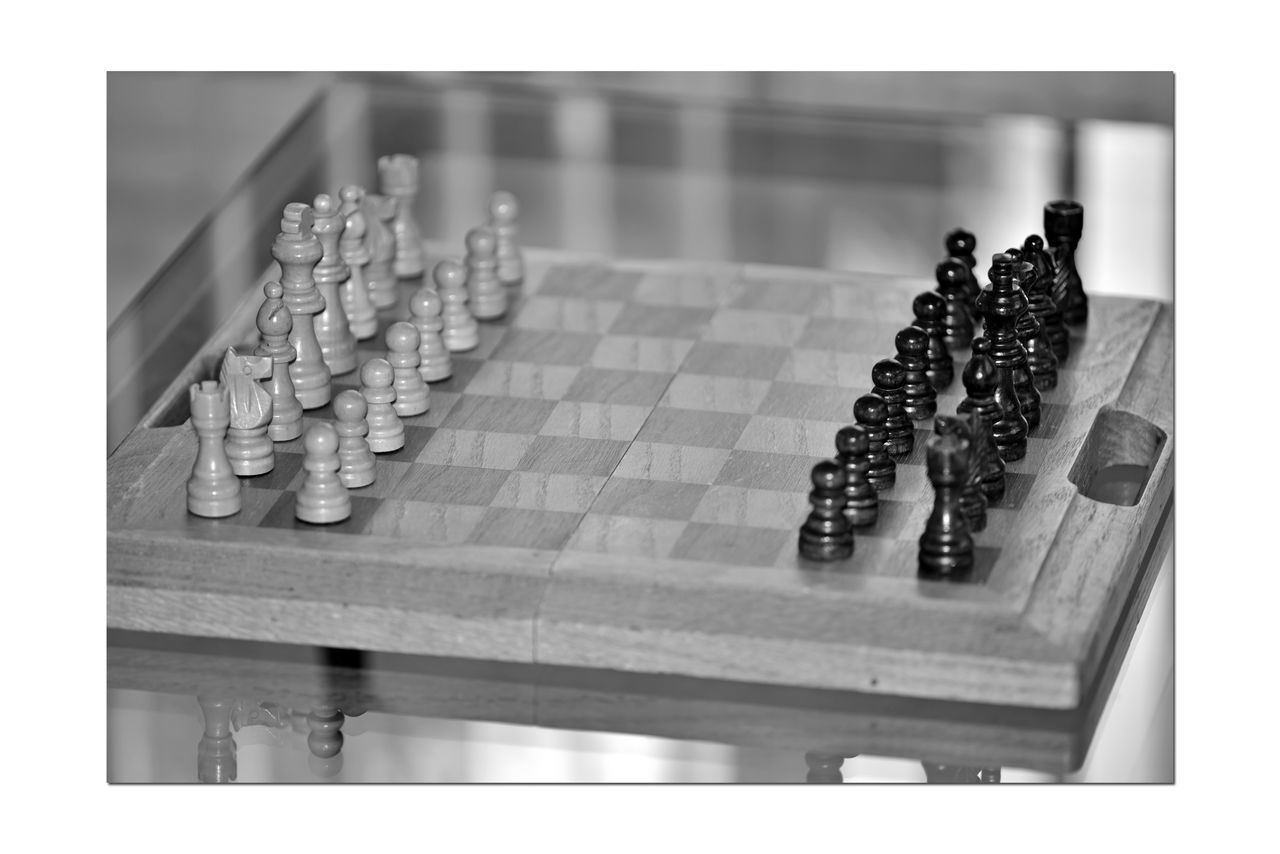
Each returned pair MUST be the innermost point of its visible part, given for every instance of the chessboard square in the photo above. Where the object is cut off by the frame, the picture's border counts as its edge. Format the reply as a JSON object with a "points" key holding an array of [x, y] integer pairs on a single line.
{"points": [[640, 353], [1000, 526], [255, 504], [451, 484], [544, 347], [785, 297], [283, 515], [752, 508], [595, 420], [853, 336], [661, 461], [722, 359], [1052, 416], [624, 535], [628, 388], [878, 556], [593, 281], [876, 299], [828, 368], [715, 394], [570, 493], [449, 447], [662, 321], [571, 455], [949, 401], [465, 367], [649, 499], [984, 560], [810, 402], [731, 545], [774, 434], [919, 448], [387, 475], [520, 379], [567, 314], [892, 519], [499, 414], [1037, 448], [415, 439], [760, 470], [425, 521], [1017, 486], [756, 327], [282, 474], [525, 529], [696, 290], [696, 428], [439, 403], [911, 482]]}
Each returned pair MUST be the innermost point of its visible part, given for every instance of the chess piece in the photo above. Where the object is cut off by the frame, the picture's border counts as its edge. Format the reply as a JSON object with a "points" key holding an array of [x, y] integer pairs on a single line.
{"points": [[380, 242], [412, 395], [889, 380], [862, 505], [248, 447], [980, 380], [973, 502], [213, 490], [216, 753], [386, 432], [1063, 226], [1042, 304], [325, 739], [362, 318], [503, 211], [322, 500], [461, 332], [298, 251], [274, 325], [485, 294], [1041, 360], [398, 177], [1009, 429], [827, 535], [337, 344], [424, 310], [931, 315], [871, 411], [946, 546], [961, 245], [823, 767], [356, 460], [913, 354], [953, 278], [1001, 303]]}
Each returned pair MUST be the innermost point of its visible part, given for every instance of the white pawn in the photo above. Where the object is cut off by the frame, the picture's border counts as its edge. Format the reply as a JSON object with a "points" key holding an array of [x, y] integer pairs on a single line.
{"points": [[503, 211], [424, 307], [386, 433], [361, 316], [274, 325], [323, 499], [461, 332], [412, 395], [248, 447], [357, 469], [487, 297], [213, 490]]}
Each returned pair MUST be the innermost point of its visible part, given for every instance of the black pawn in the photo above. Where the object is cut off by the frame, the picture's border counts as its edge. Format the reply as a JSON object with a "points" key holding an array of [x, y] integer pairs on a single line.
{"points": [[953, 278], [913, 354], [931, 316], [827, 535], [1001, 303], [972, 500], [961, 244], [946, 546], [889, 380], [1041, 362], [985, 381], [1063, 226], [870, 411], [862, 505], [983, 411], [1042, 304]]}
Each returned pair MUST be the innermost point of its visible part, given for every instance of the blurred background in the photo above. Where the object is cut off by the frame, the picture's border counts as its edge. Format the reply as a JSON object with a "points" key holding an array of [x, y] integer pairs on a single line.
{"points": [[850, 171]]}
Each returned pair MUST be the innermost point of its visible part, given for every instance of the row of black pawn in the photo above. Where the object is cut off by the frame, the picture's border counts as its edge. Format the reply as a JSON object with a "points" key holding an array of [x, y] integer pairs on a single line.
{"points": [[1018, 357]]}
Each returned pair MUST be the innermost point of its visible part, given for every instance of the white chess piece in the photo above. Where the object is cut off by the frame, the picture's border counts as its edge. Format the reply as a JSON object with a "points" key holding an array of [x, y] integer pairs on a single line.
{"points": [[486, 296], [425, 307], [356, 458], [386, 432], [461, 332], [503, 211], [323, 499], [412, 395]]}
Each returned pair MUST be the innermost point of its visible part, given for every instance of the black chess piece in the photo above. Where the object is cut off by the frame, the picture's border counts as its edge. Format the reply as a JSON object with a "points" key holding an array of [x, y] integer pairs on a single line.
{"points": [[827, 535], [1041, 362], [1008, 428], [1001, 303], [946, 546], [889, 380], [871, 412], [953, 278], [1042, 304], [913, 354], [862, 505], [1063, 227], [961, 244], [973, 503], [980, 381], [931, 316]]}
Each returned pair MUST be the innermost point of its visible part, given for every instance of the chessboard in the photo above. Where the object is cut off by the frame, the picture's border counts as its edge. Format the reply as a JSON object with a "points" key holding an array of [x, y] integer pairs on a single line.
{"points": [[615, 479]]}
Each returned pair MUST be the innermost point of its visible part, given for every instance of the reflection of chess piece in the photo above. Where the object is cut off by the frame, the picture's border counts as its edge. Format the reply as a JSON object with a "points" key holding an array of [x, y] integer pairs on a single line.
{"points": [[461, 332], [298, 251], [938, 773], [398, 177], [325, 740], [337, 343], [248, 447], [361, 316], [487, 297], [380, 240], [823, 767], [424, 310], [274, 325], [503, 211], [216, 754], [213, 490]]}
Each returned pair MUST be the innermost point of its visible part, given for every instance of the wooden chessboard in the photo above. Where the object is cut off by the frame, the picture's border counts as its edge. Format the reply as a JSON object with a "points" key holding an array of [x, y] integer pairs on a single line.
{"points": [[615, 479]]}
